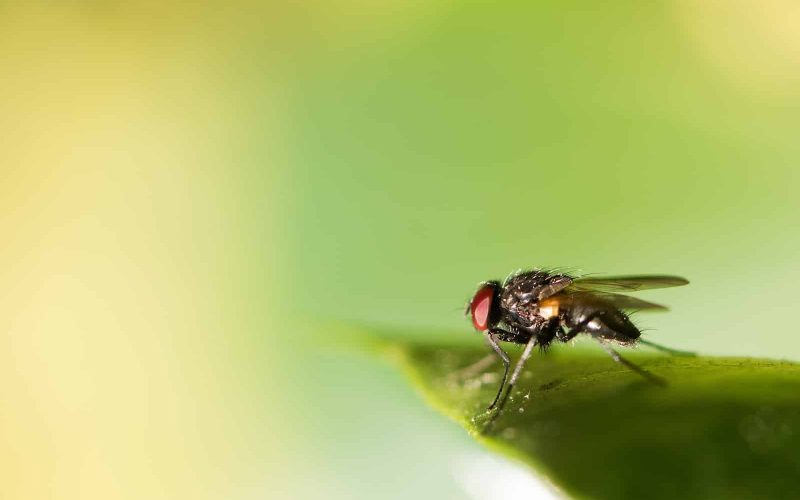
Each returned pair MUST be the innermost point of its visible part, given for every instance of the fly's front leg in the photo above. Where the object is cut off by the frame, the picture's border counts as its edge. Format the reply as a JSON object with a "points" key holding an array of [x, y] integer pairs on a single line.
{"points": [[475, 368], [521, 362], [546, 331], [492, 339], [517, 370]]}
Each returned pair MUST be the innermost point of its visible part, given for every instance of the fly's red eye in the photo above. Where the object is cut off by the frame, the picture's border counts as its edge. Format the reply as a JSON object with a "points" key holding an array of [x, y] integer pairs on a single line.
{"points": [[480, 307]]}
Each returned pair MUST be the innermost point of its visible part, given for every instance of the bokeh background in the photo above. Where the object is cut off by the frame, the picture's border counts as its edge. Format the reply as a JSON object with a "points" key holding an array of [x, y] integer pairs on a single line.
{"points": [[200, 200]]}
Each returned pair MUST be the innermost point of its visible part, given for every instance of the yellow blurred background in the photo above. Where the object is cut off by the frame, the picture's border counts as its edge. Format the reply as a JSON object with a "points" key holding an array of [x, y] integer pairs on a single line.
{"points": [[188, 189], [129, 277]]}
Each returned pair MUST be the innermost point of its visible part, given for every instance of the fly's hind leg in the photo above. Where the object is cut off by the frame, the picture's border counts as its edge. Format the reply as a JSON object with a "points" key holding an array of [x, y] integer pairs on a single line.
{"points": [[601, 331], [668, 350], [632, 366]]}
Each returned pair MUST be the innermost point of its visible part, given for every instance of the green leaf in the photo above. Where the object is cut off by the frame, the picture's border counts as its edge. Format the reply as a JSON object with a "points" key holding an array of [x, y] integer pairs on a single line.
{"points": [[721, 427]]}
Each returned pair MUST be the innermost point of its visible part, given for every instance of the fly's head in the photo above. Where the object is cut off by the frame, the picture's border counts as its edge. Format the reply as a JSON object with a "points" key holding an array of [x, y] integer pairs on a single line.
{"points": [[484, 308]]}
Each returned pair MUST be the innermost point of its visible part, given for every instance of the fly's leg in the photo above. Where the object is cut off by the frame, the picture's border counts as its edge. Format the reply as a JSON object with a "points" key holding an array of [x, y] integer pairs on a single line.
{"points": [[521, 362], [547, 328], [485, 362], [566, 337], [502, 396], [526, 353], [668, 350], [634, 367], [475, 368], [490, 337], [581, 327]]}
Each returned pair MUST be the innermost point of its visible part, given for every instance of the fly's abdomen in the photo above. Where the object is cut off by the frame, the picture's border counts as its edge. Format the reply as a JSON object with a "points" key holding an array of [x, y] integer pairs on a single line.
{"points": [[607, 323], [622, 327]]}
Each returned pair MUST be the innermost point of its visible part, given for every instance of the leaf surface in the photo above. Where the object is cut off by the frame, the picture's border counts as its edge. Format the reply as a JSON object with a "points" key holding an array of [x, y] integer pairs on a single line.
{"points": [[721, 428]]}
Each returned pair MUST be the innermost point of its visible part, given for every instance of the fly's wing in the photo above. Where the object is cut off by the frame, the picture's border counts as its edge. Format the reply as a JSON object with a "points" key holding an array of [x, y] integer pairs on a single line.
{"points": [[555, 285], [624, 284], [601, 301], [623, 302]]}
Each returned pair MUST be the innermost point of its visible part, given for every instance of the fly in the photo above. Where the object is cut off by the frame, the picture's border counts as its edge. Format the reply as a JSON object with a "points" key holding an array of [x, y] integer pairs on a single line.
{"points": [[539, 307]]}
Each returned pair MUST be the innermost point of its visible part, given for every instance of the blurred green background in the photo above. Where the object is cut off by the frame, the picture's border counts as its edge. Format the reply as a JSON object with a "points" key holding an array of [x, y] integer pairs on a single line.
{"points": [[200, 199]]}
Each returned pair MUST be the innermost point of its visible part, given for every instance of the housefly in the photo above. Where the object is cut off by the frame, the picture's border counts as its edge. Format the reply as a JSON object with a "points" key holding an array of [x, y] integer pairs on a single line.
{"points": [[539, 307]]}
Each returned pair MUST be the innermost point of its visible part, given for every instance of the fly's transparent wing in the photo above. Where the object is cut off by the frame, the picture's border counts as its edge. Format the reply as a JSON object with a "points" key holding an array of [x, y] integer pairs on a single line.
{"points": [[556, 284], [630, 303], [602, 301], [624, 284]]}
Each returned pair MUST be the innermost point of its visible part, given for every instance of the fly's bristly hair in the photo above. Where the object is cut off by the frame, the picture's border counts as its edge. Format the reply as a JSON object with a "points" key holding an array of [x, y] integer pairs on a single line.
{"points": [[544, 347], [569, 271], [514, 274]]}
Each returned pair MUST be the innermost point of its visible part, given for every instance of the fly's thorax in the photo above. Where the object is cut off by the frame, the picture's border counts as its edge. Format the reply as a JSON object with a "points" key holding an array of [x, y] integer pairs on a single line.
{"points": [[530, 314], [526, 286], [525, 298], [518, 313], [521, 292]]}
